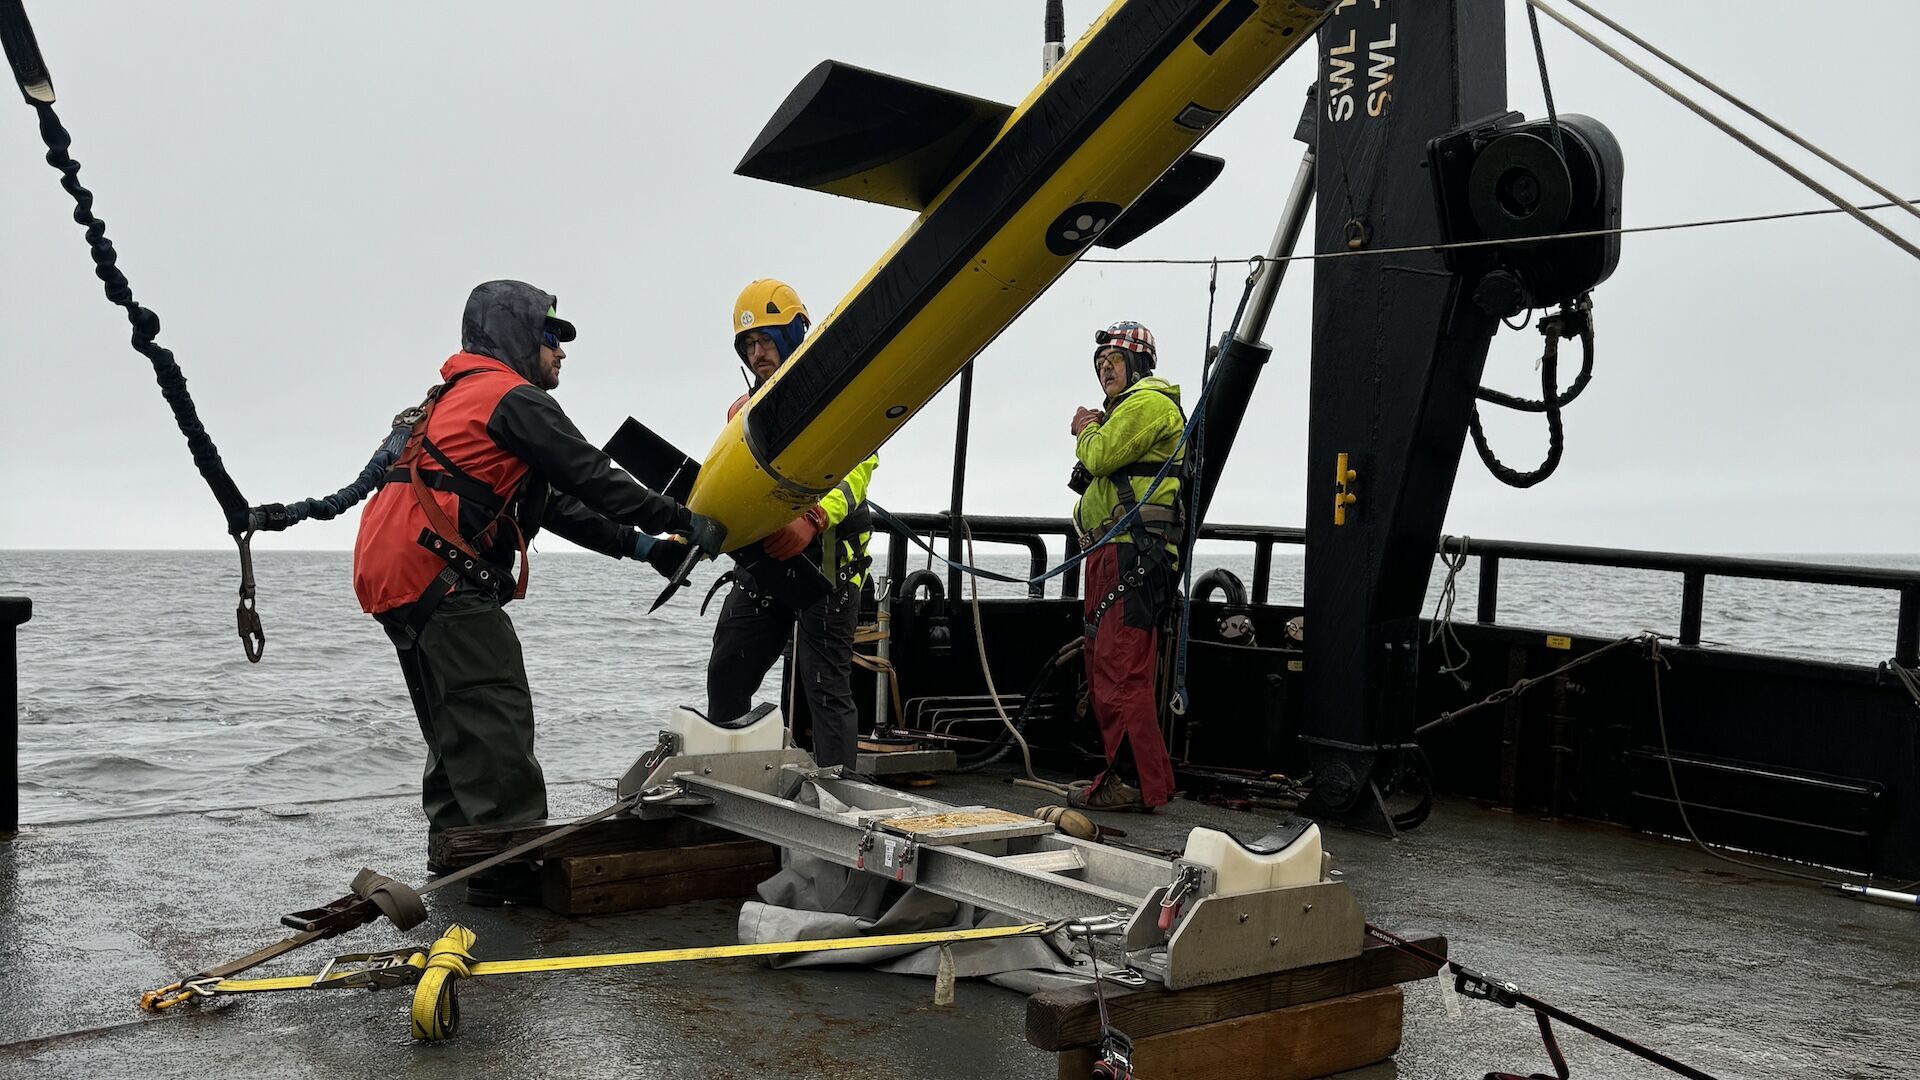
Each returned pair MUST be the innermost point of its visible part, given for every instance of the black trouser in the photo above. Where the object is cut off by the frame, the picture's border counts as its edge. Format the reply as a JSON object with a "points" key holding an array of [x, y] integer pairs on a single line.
{"points": [[750, 637], [469, 687]]}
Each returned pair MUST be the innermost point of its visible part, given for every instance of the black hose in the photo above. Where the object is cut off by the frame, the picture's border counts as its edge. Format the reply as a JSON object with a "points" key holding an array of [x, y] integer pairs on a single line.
{"points": [[1001, 744]]}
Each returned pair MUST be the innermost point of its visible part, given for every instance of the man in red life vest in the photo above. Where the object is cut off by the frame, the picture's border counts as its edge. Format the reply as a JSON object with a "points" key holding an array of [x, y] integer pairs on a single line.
{"points": [[491, 460]]}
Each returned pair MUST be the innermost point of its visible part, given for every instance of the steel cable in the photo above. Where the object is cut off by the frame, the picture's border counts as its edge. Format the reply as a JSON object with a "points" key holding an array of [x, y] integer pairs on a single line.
{"points": [[1778, 162], [1462, 245], [1737, 103]]}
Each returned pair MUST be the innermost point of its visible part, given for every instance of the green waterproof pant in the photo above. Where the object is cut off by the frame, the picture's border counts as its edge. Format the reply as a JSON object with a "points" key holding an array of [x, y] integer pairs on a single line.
{"points": [[469, 687]]}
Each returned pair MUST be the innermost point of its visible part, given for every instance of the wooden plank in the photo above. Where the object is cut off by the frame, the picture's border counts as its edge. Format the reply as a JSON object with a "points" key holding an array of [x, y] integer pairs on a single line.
{"points": [[1299, 1042], [654, 892], [1066, 1019], [467, 844], [581, 871]]}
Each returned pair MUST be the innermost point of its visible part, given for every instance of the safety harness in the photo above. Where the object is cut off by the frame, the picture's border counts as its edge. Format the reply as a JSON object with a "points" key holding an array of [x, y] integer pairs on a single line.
{"points": [[1156, 526], [841, 567], [442, 536]]}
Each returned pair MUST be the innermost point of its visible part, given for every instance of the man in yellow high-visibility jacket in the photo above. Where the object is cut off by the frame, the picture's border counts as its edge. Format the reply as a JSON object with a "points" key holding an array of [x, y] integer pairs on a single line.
{"points": [[769, 322], [1120, 448]]}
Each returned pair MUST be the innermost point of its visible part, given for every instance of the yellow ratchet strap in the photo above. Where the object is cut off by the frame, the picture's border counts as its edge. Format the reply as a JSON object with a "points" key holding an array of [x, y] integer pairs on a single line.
{"points": [[436, 1012]]}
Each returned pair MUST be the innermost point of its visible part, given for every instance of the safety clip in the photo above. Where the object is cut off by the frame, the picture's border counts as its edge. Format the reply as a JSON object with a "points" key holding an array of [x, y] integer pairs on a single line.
{"points": [[178, 993], [1185, 884]]}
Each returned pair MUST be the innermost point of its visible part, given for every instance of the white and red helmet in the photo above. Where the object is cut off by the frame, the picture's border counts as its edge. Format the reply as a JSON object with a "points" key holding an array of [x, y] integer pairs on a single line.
{"points": [[1132, 338]]}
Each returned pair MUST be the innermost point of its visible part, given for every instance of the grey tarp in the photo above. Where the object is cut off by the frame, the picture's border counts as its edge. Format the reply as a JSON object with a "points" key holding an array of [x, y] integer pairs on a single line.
{"points": [[811, 899]]}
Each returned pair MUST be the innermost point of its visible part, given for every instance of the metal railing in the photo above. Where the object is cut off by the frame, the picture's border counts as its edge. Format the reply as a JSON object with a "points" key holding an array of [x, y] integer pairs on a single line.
{"points": [[14, 610], [1694, 570], [1032, 533]]}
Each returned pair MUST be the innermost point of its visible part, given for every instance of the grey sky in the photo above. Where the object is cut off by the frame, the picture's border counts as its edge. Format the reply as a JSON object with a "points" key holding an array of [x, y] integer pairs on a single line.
{"points": [[306, 193]]}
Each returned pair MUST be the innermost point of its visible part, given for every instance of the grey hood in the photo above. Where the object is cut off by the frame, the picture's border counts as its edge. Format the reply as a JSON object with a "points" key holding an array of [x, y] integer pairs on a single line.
{"points": [[504, 320]]}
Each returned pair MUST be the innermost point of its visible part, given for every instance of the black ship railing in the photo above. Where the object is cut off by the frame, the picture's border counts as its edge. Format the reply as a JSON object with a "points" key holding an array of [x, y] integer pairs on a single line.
{"points": [[14, 610], [1694, 570]]}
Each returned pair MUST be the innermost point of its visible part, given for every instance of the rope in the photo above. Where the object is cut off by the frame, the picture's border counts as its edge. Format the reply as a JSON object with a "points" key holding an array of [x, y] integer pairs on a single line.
{"points": [[1000, 746], [1746, 108], [146, 325], [1442, 630], [986, 672], [275, 517], [1657, 660], [1556, 432], [166, 372], [1459, 245], [883, 668], [1908, 677], [1584, 329], [1778, 162], [1196, 480], [242, 520], [1572, 319], [1524, 685]]}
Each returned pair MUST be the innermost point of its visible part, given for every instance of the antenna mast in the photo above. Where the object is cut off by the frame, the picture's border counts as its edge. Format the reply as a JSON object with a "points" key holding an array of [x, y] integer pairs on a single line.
{"points": [[1056, 44]]}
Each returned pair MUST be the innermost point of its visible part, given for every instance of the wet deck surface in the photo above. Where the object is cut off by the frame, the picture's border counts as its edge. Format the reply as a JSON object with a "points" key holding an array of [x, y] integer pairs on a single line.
{"points": [[1738, 975]]}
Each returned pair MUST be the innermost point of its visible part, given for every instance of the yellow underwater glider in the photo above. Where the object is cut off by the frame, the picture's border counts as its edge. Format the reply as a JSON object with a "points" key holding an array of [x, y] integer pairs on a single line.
{"points": [[1099, 152]]}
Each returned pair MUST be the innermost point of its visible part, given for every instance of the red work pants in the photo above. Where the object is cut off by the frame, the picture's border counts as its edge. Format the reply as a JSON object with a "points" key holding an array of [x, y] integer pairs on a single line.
{"points": [[1120, 672]]}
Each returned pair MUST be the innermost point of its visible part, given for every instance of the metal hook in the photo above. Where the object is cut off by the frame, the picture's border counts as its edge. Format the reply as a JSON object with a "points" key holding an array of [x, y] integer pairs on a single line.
{"points": [[253, 637]]}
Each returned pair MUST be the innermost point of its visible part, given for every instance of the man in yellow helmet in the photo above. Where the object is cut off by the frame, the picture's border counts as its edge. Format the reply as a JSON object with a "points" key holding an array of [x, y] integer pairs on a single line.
{"points": [[769, 323]]}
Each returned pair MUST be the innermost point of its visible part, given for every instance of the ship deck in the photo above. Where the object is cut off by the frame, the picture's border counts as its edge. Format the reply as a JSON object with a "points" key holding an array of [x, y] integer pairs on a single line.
{"points": [[1739, 974]]}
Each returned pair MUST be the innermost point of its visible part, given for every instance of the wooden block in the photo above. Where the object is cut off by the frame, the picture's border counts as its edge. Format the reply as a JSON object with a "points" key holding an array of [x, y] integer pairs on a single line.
{"points": [[653, 892], [1066, 1019], [582, 871], [468, 844], [1295, 1043]]}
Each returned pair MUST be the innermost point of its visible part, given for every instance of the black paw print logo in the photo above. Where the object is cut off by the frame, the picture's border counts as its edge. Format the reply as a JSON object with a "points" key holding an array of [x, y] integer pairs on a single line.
{"points": [[1079, 226]]}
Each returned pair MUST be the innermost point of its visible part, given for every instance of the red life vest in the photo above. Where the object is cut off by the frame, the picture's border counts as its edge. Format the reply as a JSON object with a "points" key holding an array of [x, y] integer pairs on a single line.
{"points": [[471, 479]]}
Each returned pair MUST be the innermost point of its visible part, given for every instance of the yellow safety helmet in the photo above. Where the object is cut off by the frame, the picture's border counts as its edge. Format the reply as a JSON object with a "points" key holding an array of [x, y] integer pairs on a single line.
{"points": [[768, 305]]}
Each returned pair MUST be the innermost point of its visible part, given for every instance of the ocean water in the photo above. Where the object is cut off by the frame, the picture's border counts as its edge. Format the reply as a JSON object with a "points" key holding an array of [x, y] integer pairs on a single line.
{"points": [[135, 698]]}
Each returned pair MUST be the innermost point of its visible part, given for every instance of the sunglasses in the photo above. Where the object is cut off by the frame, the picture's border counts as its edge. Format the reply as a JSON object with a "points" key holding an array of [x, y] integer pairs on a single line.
{"points": [[547, 339]]}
